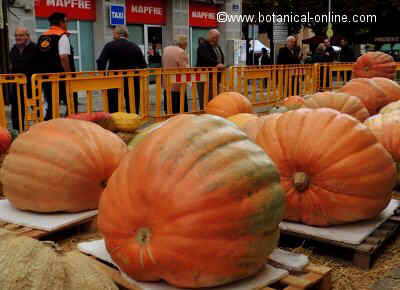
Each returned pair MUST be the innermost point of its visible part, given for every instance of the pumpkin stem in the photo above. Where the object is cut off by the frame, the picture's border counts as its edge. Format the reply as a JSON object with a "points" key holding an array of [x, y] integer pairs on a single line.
{"points": [[143, 236], [103, 184], [301, 181]]}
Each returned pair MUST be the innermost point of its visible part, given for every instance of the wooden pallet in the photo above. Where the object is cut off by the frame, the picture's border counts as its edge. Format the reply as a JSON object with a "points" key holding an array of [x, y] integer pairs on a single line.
{"points": [[364, 254], [40, 234], [314, 277]]}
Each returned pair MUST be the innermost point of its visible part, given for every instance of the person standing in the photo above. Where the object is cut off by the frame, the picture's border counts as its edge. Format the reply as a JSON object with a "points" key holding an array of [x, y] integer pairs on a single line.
{"points": [[122, 54], [209, 54], [174, 56], [290, 54], [56, 55], [23, 57], [329, 51], [265, 58]]}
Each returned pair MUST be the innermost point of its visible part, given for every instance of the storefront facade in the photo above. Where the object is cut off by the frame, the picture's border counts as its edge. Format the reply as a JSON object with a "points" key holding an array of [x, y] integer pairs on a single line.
{"points": [[152, 24]]}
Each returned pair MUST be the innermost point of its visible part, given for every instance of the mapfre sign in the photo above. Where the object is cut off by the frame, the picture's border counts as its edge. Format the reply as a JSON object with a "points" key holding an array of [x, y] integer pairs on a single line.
{"points": [[201, 15], [74, 9], [146, 11]]}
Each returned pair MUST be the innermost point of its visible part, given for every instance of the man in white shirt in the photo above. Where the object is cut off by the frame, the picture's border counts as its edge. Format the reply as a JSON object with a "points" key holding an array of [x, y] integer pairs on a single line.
{"points": [[56, 55]]}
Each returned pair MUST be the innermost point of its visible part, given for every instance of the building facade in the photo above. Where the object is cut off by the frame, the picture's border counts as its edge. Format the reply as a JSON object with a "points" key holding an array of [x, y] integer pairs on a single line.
{"points": [[152, 24]]}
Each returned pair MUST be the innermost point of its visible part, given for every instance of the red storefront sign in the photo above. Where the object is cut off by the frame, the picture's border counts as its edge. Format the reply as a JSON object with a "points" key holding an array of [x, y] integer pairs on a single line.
{"points": [[146, 11], [74, 9], [202, 15]]}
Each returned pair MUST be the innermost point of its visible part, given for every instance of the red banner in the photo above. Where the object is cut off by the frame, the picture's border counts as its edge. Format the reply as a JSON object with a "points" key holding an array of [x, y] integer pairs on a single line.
{"points": [[145, 11], [74, 9], [202, 15]]}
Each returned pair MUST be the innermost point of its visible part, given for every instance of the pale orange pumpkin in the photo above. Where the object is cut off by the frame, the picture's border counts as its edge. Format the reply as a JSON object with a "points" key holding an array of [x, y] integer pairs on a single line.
{"points": [[390, 88], [228, 104], [241, 119], [252, 127], [394, 106], [293, 102], [60, 165], [368, 92], [195, 203], [374, 64], [386, 128], [338, 101], [332, 167]]}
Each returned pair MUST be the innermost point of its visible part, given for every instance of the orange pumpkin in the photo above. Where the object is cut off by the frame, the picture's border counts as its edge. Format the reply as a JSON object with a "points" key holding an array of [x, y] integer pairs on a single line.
{"points": [[368, 92], [241, 119], [60, 165], [5, 140], [338, 101], [386, 128], [252, 127], [196, 192], [374, 64], [390, 88], [394, 106], [293, 102], [332, 167], [228, 104]]}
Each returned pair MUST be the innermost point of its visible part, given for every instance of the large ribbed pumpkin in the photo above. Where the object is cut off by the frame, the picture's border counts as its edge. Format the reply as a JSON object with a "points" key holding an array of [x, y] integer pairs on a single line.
{"points": [[196, 204], [252, 127], [338, 101], [228, 104], [395, 106], [390, 88], [60, 165], [241, 119], [332, 167], [293, 102], [386, 128], [368, 92], [28, 264], [374, 64]]}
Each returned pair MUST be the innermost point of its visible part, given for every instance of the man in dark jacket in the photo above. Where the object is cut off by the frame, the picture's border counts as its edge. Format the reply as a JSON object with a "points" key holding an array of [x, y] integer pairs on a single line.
{"points": [[122, 54], [346, 55], [56, 55], [209, 54], [290, 54], [23, 56]]}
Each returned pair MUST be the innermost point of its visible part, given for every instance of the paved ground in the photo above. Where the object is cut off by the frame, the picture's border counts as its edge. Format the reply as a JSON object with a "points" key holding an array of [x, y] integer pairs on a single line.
{"points": [[390, 282]]}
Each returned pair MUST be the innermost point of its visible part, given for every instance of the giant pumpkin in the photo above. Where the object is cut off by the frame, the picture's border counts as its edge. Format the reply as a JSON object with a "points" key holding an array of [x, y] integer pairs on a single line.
{"points": [[374, 64], [394, 106], [332, 167], [293, 102], [101, 118], [195, 203], [386, 128], [338, 101], [252, 127], [241, 119], [228, 104], [390, 88], [368, 92], [60, 165], [28, 264]]}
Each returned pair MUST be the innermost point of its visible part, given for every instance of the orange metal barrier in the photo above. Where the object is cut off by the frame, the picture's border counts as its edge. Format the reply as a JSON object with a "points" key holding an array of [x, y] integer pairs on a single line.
{"points": [[159, 89], [17, 83], [330, 76], [196, 85], [108, 85], [268, 84]]}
